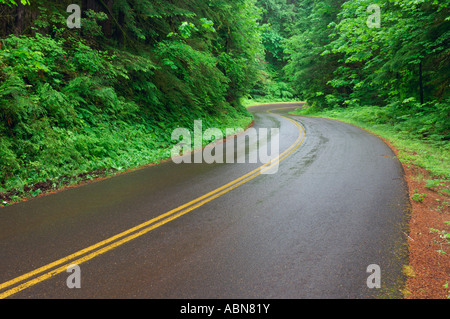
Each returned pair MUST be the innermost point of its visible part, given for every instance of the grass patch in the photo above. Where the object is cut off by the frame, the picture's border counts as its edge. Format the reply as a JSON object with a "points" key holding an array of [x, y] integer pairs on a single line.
{"points": [[249, 101]]}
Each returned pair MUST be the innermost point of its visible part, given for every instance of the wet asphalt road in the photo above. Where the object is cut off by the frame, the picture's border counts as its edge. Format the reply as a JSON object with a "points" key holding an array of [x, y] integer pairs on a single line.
{"points": [[336, 205]]}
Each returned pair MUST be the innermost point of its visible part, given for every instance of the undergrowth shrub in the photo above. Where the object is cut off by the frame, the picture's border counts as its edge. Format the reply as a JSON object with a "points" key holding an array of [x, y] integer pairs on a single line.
{"points": [[68, 109]]}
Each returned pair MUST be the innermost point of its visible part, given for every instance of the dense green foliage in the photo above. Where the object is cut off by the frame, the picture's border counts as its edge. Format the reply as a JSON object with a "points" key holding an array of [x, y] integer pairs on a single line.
{"points": [[337, 60], [108, 95], [277, 19], [392, 78]]}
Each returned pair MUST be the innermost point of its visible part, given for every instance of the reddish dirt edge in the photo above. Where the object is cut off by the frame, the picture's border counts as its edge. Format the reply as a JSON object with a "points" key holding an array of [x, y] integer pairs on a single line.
{"points": [[428, 270]]}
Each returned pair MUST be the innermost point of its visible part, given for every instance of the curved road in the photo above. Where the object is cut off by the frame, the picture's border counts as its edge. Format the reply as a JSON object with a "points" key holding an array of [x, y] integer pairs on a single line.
{"points": [[336, 204]]}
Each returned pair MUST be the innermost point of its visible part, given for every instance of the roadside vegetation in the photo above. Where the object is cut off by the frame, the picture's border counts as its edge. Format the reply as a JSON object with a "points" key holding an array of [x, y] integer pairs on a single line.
{"points": [[77, 104]]}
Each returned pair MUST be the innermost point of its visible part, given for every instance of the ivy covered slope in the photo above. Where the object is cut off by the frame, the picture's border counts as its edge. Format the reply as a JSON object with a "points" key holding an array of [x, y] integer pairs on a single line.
{"points": [[108, 95]]}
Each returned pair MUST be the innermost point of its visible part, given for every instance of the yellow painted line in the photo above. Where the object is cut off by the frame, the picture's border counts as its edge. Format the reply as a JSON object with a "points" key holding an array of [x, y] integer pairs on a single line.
{"points": [[163, 219]]}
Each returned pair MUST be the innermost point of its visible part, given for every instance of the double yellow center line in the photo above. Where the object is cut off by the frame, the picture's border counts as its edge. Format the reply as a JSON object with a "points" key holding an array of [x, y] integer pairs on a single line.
{"points": [[45, 272]]}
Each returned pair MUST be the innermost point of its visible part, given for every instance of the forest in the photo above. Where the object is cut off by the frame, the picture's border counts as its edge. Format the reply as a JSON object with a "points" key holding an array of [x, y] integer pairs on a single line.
{"points": [[76, 103]]}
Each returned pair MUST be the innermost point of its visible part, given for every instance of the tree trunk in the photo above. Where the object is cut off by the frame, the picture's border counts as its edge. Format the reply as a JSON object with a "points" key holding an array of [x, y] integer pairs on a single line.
{"points": [[420, 83], [108, 23], [20, 15]]}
